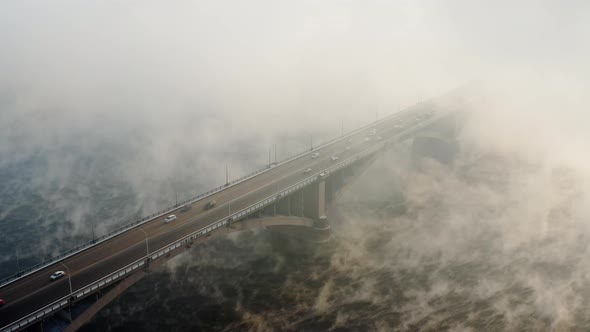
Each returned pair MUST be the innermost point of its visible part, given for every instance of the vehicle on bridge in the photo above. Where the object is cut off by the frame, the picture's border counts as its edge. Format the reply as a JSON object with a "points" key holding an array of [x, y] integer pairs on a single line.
{"points": [[334, 158], [307, 170], [2, 302], [315, 155], [210, 205], [170, 218], [57, 274], [186, 207]]}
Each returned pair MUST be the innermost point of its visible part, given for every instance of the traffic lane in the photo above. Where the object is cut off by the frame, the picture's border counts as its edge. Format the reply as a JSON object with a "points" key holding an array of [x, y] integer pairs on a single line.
{"points": [[105, 267]]}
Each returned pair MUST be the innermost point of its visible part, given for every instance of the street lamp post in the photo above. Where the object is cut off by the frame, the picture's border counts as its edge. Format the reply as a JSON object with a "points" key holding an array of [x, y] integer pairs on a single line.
{"points": [[69, 278], [147, 247]]}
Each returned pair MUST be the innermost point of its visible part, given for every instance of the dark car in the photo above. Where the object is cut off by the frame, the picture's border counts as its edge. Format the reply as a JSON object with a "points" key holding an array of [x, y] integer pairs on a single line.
{"points": [[2, 302], [186, 207], [210, 205]]}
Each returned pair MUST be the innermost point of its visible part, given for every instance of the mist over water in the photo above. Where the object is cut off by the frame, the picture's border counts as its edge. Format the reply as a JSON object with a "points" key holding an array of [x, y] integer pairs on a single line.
{"points": [[108, 111], [495, 242]]}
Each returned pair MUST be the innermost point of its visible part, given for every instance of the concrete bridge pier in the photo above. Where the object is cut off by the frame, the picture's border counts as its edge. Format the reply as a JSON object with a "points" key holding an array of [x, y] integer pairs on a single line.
{"points": [[321, 200], [321, 224]]}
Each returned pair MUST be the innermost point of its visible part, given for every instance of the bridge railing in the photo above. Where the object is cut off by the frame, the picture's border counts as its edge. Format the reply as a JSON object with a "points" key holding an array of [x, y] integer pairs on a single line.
{"points": [[232, 217], [143, 220]]}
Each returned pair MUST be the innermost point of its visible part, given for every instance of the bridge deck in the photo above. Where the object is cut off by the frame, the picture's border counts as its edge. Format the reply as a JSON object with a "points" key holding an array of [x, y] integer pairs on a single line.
{"points": [[35, 291]]}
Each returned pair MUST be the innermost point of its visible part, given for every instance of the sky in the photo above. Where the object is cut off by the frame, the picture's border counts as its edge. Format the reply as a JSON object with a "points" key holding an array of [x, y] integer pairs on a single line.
{"points": [[137, 63]]}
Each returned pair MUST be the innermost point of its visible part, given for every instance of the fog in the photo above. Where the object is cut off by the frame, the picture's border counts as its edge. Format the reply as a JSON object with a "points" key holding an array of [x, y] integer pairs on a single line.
{"points": [[108, 109]]}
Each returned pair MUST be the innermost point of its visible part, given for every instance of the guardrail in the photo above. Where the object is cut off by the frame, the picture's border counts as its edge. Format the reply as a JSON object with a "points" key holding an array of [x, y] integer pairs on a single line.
{"points": [[126, 270], [139, 222]]}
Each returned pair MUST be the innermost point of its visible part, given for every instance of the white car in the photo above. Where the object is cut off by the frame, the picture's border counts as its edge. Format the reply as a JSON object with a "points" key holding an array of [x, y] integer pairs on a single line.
{"points": [[348, 148], [307, 170], [169, 219], [56, 275], [334, 158], [378, 138], [315, 155], [349, 140]]}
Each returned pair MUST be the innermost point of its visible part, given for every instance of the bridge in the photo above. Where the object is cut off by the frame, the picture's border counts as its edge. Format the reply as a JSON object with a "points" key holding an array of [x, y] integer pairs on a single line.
{"points": [[289, 197]]}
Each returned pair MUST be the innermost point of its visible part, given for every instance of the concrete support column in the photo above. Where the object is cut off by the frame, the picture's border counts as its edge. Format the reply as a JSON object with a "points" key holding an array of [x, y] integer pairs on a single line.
{"points": [[311, 201], [301, 206], [322, 198]]}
